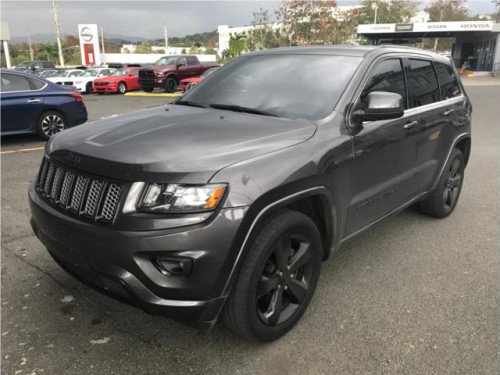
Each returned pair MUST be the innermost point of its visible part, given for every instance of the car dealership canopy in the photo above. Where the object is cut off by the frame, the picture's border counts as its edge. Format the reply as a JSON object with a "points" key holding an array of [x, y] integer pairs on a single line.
{"points": [[475, 41]]}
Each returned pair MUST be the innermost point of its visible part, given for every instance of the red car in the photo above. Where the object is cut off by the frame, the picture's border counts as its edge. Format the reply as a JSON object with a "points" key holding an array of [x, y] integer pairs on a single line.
{"points": [[187, 83], [121, 81]]}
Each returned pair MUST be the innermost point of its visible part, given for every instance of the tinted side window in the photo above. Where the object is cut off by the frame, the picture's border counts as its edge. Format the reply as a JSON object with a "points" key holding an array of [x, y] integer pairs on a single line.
{"points": [[182, 61], [387, 76], [11, 82], [192, 60], [423, 82], [447, 81], [36, 84]]}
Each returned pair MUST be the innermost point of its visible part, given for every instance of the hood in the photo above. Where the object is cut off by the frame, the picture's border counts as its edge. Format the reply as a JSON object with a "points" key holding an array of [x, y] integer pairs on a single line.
{"points": [[174, 143]]}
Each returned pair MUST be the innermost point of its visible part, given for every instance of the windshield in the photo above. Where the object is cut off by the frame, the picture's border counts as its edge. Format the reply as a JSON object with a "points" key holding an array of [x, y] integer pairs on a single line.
{"points": [[290, 86], [120, 73], [89, 73], [168, 60]]}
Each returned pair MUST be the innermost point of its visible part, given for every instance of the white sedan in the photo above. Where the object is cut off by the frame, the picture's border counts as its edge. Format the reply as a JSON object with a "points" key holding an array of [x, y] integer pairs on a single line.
{"points": [[84, 82], [64, 77]]}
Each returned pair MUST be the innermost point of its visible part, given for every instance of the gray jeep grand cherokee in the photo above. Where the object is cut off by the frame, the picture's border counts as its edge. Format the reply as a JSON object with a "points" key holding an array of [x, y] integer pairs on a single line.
{"points": [[225, 202]]}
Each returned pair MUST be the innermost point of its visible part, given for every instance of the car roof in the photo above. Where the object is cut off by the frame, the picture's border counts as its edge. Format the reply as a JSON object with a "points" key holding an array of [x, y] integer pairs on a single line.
{"points": [[342, 50]]}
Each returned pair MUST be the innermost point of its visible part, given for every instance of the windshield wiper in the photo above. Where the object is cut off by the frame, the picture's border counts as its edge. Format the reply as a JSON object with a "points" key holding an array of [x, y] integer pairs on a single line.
{"points": [[238, 108], [190, 103]]}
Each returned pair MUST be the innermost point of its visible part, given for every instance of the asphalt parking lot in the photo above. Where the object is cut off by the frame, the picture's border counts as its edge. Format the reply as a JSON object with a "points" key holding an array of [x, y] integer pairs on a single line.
{"points": [[412, 296]]}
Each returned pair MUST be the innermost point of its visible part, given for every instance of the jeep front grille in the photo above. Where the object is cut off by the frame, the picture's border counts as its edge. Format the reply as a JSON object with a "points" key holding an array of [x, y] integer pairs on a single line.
{"points": [[89, 197]]}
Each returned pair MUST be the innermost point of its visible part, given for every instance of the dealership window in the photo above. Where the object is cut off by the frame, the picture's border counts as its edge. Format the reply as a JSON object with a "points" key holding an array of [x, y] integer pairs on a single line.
{"points": [[423, 82], [447, 81], [387, 76]]}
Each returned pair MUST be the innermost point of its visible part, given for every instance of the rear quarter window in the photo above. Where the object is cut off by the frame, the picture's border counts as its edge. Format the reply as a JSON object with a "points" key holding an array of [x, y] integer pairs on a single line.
{"points": [[447, 81]]}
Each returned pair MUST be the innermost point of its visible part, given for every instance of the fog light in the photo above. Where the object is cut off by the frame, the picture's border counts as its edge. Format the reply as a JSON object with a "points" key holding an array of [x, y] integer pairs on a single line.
{"points": [[174, 266]]}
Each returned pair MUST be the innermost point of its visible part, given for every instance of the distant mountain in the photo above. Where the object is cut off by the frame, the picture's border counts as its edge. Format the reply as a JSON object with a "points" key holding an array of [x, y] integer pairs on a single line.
{"points": [[51, 38]]}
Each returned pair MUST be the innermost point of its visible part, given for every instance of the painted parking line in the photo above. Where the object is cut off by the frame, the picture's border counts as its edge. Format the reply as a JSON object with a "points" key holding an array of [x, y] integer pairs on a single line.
{"points": [[22, 150], [153, 94]]}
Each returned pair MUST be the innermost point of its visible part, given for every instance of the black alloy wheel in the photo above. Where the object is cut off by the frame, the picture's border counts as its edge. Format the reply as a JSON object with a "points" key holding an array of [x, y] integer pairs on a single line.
{"points": [[443, 199], [170, 85], [277, 279]]}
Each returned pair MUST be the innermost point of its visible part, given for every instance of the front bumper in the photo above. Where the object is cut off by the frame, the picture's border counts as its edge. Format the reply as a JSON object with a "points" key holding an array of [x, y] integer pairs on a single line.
{"points": [[81, 87], [120, 263], [107, 88]]}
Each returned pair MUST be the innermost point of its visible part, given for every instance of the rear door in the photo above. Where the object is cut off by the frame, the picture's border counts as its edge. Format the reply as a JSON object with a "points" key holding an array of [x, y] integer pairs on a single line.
{"points": [[21, 102], [381, 173], [437, 103]]}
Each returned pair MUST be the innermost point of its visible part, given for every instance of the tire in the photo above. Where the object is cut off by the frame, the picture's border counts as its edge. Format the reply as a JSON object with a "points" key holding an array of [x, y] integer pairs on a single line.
{"points": [[122, 88], [170, 85], [147, 89], [50, 123], [444, 197], [277, 278], [88, 88]]}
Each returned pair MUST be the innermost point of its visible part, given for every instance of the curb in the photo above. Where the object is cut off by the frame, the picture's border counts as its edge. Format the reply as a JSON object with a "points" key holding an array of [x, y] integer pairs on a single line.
{"points": [[153, 95]]}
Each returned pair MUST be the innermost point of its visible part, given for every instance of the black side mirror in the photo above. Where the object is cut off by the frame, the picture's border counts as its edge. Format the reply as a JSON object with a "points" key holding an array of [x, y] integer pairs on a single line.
{"points": [[382, 105]]}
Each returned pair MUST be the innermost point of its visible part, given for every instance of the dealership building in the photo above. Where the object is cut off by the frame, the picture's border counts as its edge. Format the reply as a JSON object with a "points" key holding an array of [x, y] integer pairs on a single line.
{"points": [[476, 42]]}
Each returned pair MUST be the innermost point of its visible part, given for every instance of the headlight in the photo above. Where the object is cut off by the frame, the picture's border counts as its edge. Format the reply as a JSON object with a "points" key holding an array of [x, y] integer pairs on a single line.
{"points": [[78, 82], [180, 198], [160, 74]]}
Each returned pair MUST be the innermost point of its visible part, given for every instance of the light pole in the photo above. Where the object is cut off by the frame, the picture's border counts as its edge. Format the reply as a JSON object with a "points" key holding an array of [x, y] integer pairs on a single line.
{"points": [[375, 8]]}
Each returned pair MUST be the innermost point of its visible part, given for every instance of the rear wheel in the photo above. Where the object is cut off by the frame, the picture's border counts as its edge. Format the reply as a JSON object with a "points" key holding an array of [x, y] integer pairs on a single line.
{"points": [[50, 123], [444, 198], [277, 279], [170, 85], [122, 88]]}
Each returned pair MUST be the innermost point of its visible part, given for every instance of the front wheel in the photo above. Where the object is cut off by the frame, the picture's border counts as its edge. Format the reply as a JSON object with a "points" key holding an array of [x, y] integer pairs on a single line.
{"points": [[444, 197], [277, 278], [50, 123], [170, 85], [122, 88], [88, 88]]}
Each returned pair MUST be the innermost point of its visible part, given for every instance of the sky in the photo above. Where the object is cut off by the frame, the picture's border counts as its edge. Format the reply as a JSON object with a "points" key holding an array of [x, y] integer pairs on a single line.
{"points": [[146, 18]]}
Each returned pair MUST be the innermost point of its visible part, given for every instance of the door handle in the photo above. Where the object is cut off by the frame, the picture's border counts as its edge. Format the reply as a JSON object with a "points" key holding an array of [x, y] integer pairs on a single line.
{"points": [[411, 124], [448, 112], [34, 100]]}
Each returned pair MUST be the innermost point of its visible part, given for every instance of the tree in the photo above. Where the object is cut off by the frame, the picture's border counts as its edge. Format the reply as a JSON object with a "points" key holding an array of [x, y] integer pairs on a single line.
{"points": [[237, 45], [395, 11], [266, 32], [497, 4], [446, 10], [47, 51], [317, 22]]}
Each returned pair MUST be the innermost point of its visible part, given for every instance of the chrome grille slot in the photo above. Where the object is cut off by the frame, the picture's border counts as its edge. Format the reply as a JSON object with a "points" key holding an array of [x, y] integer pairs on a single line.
{"points": [[78, 191], [95, 188], [78, 194], [110, 203]]}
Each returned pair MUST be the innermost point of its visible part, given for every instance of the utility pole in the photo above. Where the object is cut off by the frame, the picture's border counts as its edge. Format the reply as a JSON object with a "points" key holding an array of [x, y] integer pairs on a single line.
{"points": [[102, 40], [166, 38], [32, 57], [58, 33]]}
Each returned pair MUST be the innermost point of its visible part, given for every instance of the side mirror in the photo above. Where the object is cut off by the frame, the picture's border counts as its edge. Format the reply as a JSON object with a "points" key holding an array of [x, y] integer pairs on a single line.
{"points": [[382, 105]]}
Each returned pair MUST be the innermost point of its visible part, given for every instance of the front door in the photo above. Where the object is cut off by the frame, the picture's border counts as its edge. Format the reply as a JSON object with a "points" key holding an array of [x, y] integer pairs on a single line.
{"points": [[382, 169]]}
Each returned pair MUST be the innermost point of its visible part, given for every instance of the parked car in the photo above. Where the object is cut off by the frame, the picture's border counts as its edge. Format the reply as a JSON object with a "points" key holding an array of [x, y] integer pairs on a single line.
{"points": [[124, 65], [33, 105], [225, 202], [65, 77], [120, 82], [188, 83], [35, 66], [47, 73], [168, 71], [84, 81]]}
